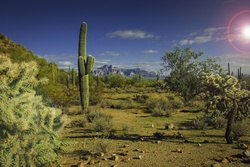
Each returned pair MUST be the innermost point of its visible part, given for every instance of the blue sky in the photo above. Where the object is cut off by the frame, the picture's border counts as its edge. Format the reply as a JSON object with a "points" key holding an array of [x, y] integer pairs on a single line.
{"points": [[129, 33]]}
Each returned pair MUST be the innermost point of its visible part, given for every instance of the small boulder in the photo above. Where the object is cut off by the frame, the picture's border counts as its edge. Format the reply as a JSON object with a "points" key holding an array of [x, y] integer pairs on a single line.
{"points": [[246, 153], [216, 165], [169, 126], [243, 146], [225, 160]]}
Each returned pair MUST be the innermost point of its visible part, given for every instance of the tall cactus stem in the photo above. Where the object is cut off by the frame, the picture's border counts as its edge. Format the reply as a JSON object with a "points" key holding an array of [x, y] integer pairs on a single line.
{"points": [[73, 78], [85, 66]]}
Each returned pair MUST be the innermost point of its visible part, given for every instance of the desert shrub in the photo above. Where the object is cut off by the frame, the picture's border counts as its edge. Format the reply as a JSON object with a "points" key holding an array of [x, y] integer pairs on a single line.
{"points": [[105, 103], [79, 122], [240, 128], [177, 103], [218, 122], [159, 106], [200, 122], [102, 124], [141, 98], [125, 104], [95, 95], [198, 104], [101, 146], [92, 114], [28, 128]]}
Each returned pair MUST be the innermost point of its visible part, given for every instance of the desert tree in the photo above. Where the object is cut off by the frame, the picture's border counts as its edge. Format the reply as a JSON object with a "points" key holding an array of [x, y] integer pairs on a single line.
{"points": [[225, 95], [28, 128], [185, 71]]}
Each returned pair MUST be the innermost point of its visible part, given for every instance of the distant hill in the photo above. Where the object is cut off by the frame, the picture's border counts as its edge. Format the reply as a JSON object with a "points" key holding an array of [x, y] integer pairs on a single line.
{"points": [[107, 69], [57, 77]]}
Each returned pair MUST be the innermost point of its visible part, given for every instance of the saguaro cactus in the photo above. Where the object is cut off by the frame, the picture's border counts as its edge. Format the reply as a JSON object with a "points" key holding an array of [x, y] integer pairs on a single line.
{"points": [[85, 66], [73, 77], [240, 75]]}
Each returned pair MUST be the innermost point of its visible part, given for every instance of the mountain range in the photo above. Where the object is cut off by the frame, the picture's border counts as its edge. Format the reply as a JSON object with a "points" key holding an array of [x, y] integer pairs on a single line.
{"points": [[108, 69]]}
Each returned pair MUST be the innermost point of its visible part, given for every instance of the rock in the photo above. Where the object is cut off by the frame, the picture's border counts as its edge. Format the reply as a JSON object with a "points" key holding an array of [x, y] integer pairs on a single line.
{"points": [[139, 157], [216, 165], [81, 164], [169, 126], [126, 159], [126, 145], [246, 153], [115, 165], [91, 162], [182, 128], [158, 141], [179, 135], [105, 159], [177, 150], [243, 146], [122, 154], [116, 158], [137, 149], [224, 160], [141, 138]]}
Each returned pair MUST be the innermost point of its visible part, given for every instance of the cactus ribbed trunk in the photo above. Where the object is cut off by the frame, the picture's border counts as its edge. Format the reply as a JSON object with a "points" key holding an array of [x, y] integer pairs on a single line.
{"points": [[85, 66], [228, 69]]}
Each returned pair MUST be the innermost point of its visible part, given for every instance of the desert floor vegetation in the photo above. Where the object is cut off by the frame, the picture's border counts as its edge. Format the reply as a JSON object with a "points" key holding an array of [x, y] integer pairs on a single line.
{"points": [[133, 136]]}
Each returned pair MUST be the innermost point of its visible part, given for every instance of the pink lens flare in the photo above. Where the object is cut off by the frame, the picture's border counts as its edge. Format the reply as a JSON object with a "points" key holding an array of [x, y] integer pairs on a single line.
{"points": [[239, 41]]}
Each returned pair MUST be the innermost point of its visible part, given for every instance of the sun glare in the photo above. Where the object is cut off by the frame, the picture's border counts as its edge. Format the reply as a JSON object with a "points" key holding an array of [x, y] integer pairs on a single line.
{"points": [[246, 32]]}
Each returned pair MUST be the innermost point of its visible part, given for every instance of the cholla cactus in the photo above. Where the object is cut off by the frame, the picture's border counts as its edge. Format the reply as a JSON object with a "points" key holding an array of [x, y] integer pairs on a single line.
{"points": [[28, 128], [225, 94]]}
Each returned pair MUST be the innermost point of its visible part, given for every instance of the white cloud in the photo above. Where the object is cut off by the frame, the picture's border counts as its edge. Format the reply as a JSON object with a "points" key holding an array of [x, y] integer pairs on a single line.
{"points": [[99, 63], [150, 51], [204, 36], [131, 34], [110, 53], [65, 63]]}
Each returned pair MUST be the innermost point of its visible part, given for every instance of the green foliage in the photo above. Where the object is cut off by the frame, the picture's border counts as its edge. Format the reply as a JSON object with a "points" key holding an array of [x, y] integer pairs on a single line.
{"points": [[240, 128], [115, 80], [96, 90], [200, 122], [28, 128], [159, 106], [125, 104], [55, 91], [100, 122], [186, 71]]}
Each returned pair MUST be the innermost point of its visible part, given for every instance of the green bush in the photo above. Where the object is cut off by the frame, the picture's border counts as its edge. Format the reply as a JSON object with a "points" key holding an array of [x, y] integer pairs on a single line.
{"points": [[159, 106], [103, 124], [92, 114], [218, 122], [125, 104], [79, 122], [240, 129], [199, 122], [100, 122], [141, 98]]}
